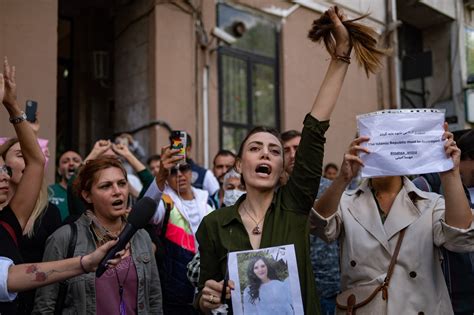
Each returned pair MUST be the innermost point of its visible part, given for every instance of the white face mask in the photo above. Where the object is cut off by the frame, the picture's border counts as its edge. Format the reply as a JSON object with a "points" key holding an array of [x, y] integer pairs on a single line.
{"points": [[231, 196]]}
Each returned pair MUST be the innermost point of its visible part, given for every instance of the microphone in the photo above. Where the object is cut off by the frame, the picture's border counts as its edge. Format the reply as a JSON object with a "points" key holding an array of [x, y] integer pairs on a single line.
{"points": [[138, 218]]}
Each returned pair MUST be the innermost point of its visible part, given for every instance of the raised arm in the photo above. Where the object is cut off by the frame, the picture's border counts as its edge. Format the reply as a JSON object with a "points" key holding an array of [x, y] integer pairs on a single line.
{"points": [[458, 213], [124, 151], [329, 91], [100, 147], [328, 203], [302, 187], [30, 183]]}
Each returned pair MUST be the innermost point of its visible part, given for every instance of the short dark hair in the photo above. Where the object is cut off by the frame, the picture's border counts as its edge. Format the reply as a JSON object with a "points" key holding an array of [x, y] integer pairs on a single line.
{"points": [[223, 153], [189, 140], [330, 165], [290, 134], [466, 144], [152, 158]]}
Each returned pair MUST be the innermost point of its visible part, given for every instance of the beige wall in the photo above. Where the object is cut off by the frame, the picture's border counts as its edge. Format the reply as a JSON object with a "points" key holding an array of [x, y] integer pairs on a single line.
{"points": [[302, 67], [28, 36], [302, 74], [174, 84]]}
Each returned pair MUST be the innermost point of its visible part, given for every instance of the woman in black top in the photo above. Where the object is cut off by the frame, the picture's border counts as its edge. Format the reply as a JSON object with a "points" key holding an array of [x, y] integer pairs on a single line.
{"points": [[15, 214]]}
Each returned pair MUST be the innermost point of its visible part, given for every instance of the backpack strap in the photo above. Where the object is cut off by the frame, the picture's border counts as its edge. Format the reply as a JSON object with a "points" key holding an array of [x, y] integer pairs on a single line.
{"points": [[10, 231], [63, 286]]}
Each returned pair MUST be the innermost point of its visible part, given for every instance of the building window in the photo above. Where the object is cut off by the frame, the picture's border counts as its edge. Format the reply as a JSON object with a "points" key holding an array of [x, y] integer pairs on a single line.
{"points": [[470, 52], [248, 75]]}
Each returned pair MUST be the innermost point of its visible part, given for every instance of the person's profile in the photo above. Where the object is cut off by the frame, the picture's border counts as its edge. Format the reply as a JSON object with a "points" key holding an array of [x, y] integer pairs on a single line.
{"points": [[266, 281]]}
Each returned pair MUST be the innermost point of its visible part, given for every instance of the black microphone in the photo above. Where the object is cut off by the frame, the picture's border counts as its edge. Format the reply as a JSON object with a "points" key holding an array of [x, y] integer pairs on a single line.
{"points": [[138, 218]]}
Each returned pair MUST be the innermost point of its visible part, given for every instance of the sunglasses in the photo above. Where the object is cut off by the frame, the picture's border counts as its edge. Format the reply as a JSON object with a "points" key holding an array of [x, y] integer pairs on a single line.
{"points": [[182, 168], [6, 169]]}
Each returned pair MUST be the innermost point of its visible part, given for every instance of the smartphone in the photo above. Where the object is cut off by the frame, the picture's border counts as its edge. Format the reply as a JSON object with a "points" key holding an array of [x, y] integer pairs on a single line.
{"points": [[178, 141], [30, 110]]}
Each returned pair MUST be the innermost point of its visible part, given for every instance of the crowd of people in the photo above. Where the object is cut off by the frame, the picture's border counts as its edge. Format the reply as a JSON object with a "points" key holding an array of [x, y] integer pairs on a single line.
{"points": [[409, 239]]}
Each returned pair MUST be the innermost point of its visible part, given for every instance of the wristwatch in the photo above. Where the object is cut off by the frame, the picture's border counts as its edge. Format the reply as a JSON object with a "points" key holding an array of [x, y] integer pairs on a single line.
{"points": [[18, 119]]}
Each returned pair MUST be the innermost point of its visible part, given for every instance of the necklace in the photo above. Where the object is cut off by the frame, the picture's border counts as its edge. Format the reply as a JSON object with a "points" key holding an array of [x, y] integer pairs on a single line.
{"points": [[256, 230], [121, 284]]}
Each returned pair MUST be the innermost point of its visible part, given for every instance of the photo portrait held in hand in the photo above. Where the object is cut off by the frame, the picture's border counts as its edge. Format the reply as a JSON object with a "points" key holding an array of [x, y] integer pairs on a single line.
{"points": [[266, 281], [270, 214]]}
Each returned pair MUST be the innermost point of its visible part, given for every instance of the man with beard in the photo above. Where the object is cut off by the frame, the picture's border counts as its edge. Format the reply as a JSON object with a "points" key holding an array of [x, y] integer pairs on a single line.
{"points": [[69, 161], [223, 162]]}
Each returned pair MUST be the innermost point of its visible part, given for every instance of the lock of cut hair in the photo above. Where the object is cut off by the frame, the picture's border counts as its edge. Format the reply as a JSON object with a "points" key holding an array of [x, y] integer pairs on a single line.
{"points": [[363, 39]]}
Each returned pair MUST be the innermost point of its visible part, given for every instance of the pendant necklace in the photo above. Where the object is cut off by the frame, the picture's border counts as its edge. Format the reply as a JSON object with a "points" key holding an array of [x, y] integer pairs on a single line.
{"points": [[256, 230], [122, 307]]}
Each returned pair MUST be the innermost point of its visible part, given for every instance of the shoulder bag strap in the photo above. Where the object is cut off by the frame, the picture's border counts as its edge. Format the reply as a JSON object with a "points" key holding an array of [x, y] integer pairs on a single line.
{"points": [[393, 261], [352, 306], [10, 231], [63, 286]]}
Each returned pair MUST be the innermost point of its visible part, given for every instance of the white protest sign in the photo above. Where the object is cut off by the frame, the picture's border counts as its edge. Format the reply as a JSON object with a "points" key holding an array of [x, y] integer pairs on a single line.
{"points": [[403, 142]]}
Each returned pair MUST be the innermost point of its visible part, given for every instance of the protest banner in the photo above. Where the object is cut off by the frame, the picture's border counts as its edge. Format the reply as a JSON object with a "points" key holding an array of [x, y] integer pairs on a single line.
{"points": [[403, 142], [266, 281]]}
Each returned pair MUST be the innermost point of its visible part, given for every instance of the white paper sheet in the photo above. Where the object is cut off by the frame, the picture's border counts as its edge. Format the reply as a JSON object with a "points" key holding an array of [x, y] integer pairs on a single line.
{"points": [[403, 142], [279, 295]]}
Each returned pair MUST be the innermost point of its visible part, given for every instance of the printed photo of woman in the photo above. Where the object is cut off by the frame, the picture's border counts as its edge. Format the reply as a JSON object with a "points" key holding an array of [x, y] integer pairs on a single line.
{"points": [[265, 292]]}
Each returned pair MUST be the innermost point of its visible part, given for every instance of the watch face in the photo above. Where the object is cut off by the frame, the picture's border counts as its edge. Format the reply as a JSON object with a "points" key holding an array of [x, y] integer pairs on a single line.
{"points": [[19, 119]]}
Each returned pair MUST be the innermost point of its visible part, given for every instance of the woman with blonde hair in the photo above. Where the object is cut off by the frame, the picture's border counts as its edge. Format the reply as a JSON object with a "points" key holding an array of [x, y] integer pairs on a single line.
{"points": [[44, 220], [16, 210]]}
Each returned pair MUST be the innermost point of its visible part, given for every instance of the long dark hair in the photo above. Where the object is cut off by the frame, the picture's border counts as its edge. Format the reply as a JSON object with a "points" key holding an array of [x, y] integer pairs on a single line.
{"points": [[254, 281], [362, 37]]}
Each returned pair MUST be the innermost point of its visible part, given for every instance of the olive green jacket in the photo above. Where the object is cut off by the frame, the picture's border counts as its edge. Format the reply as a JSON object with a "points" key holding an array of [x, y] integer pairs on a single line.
{"points": [[286, 221]]}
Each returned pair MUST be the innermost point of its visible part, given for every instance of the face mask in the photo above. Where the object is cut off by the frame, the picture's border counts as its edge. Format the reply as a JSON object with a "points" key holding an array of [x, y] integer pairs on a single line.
{"points": [[231, 196]]}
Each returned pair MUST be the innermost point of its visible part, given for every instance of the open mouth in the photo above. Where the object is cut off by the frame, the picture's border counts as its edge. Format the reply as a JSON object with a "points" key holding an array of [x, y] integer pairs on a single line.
{"points": [[118, 203], [263, 169]]}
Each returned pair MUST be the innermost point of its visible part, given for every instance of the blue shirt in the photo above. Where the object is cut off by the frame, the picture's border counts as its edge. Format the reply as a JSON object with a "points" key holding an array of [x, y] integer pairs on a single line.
{"points": [[325, 259]]}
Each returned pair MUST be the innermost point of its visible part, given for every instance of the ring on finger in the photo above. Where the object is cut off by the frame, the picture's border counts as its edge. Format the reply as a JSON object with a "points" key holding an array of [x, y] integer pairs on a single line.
{"points": [[211, 298]]}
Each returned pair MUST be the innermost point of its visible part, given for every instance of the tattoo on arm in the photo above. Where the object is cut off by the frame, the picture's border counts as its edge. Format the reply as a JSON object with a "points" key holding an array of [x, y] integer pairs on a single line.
{"points": [[39, 276]]}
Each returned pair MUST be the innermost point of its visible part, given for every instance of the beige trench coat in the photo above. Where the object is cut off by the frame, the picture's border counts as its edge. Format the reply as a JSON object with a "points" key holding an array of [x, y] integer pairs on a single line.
{"points": [[417, 285]]}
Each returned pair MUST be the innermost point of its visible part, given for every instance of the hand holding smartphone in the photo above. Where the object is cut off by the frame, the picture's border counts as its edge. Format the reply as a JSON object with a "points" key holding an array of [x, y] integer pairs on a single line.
{"points": [[178, 141]]}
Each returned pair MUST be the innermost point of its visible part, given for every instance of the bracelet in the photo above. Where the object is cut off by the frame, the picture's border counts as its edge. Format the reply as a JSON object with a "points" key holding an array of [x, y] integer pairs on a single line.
{"points": [[346, 59], [18, 119], [82, 266]]}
